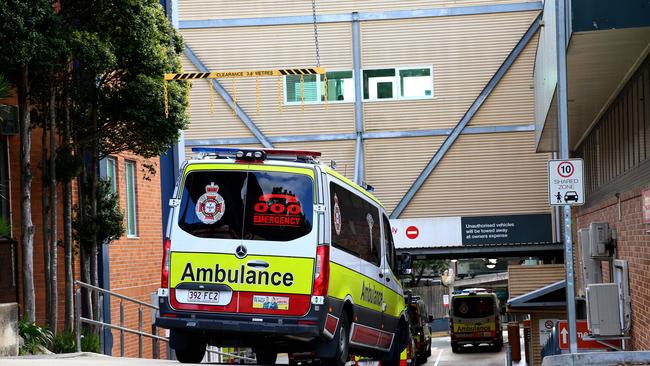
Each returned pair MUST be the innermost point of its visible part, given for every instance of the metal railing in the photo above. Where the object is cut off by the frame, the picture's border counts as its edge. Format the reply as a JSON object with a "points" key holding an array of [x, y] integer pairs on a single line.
{"points": [[80, 319]]}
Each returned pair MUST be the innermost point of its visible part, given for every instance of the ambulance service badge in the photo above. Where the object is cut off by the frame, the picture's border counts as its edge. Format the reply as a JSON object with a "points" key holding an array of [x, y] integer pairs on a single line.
{"points": [[210, 207]]}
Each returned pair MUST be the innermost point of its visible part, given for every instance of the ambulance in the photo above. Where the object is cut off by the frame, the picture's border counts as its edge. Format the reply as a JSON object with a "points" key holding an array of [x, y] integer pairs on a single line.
{"points": [[273, 250], [474, 319]]}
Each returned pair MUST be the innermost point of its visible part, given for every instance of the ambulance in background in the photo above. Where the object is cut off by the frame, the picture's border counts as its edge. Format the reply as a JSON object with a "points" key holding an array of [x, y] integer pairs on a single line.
{"points": [[474, 319]]}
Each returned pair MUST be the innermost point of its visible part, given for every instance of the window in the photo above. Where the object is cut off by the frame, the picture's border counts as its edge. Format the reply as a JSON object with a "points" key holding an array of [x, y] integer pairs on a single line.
{"points": [[379, 84], [390, 245], [355, 225], [272, 206], [473, 307], [295, 89], [131, 218], [111, 175], [340, 88], [415, 83], [398, 83]]}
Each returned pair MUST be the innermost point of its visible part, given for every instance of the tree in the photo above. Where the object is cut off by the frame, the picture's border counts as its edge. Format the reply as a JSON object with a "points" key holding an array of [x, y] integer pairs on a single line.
{"points": [[120, 51], [22, 40], [423, 267]]}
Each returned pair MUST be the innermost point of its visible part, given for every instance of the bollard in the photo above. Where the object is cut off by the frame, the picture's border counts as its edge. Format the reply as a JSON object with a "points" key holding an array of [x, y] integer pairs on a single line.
{"points": [[527, 342], [508, 355], [513, 341]]}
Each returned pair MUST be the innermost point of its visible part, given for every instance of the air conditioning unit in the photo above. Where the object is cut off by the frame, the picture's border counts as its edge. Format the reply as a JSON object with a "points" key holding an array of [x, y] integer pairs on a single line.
{"points": [[591, 271], [603, 312], [598, 240]]}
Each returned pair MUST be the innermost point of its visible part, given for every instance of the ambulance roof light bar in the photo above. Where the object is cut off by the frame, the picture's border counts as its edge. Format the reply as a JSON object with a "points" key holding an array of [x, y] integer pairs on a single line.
{"points": [[256, 154]]}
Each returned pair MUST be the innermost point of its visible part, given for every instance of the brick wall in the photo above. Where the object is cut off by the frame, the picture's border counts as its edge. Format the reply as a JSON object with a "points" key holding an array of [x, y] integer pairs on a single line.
{"points": [[633, 246], [135, 261]]}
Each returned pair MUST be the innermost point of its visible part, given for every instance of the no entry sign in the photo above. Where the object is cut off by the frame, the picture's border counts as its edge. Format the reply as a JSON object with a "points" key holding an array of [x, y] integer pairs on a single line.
{"points": [[565, 182], [412, 232]]}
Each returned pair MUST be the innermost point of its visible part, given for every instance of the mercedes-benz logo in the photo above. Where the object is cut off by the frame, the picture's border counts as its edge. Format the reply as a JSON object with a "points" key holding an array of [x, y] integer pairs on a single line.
{"points": [[241, 251]]}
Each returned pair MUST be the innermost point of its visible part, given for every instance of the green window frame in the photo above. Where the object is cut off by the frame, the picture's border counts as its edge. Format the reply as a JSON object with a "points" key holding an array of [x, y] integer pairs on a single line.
{"points": [[340, 88], [111, 173], [131, 213]]}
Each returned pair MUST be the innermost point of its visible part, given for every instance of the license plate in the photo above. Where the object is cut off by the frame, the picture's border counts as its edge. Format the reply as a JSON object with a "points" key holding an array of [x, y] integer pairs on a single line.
{"points": [[202, 296]]}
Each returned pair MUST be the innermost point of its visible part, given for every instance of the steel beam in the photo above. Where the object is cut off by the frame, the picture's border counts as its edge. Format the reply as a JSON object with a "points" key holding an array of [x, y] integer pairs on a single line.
{"points": [[367, 16], [364, 135], [358, 99], [483, 251], [228, 99], [485, 93]]}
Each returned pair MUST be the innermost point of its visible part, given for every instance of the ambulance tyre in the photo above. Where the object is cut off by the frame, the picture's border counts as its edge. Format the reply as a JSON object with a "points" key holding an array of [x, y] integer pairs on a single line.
{"points": [[399, 343], [342, 339], [265, 356], [454, 347], [188, 348]]}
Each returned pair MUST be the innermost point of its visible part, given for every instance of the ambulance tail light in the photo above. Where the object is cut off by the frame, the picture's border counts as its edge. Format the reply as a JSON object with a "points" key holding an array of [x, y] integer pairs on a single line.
{"points": [[322, 270], [164, 274]]}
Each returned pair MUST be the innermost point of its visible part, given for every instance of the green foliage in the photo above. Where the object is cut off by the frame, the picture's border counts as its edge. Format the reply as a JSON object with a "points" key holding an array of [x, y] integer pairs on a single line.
{"points": [[122, 49], [23, 25], [34, 336], [5, 228], [89, 342], [433, 267], [109, 223], [5, 87], [68, 165], [64, 343]]}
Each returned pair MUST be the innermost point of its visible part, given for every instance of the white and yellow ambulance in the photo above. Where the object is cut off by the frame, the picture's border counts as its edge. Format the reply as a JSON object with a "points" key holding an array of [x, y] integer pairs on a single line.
{"points": [[271, 249]]}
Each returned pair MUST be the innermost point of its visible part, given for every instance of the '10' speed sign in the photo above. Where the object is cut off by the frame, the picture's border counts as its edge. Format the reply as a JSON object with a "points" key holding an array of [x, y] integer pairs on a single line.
{"points": [[565, 182]]}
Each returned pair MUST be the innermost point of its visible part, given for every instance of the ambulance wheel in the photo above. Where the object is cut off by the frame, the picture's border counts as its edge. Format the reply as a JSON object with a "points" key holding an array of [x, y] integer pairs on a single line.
{"points": [[342, 338], [428, 354], [265, 356], [399, 344], [454, 347], [192, 354]]}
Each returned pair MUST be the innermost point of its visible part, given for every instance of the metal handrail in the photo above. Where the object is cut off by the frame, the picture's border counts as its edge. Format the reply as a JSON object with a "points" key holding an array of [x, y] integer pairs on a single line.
{"points": [[80, 319]]}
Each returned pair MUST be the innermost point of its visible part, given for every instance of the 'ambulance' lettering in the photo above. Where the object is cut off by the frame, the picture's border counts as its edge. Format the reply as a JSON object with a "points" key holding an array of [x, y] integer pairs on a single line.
{"points": [[240, 275]]}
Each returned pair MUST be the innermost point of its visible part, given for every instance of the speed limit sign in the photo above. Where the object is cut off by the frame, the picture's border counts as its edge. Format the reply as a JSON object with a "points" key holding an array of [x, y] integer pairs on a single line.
{"points": [[565, 182]]}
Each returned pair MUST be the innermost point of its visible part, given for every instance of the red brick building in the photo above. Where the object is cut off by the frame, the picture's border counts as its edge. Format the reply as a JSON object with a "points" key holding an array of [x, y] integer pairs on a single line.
{"points": [[129, 266], [608, 76]]}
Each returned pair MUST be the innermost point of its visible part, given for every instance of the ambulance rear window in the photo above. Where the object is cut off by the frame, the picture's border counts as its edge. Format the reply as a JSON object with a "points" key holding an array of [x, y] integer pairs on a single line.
{"points": [[473, 307], [258, 205]]}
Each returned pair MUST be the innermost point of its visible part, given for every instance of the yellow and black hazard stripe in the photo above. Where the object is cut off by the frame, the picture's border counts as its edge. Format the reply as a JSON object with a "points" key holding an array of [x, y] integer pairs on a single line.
{"points": [[244, 73]]}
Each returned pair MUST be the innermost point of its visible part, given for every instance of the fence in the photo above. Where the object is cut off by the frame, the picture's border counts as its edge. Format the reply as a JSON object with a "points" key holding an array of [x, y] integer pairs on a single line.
{"points": [[432, 297], [211, 352]]}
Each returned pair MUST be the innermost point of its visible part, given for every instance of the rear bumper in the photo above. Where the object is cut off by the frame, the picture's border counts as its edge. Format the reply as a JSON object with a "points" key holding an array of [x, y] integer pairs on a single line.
{"points": [[309, 326]]}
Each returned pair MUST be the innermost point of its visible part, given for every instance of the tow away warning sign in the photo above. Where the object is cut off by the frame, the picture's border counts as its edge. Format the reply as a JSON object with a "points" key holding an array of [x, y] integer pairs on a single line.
{"points": [[566, 182]]}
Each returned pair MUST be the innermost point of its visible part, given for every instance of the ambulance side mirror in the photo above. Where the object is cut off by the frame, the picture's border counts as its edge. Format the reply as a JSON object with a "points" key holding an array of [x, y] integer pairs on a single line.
{"points": [[405, 264]]}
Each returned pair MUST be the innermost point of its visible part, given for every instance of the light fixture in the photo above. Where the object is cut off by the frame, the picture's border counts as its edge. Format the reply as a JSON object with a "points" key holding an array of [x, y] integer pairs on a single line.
{"points": [[490, 266], [492, 261], [454, 260]]}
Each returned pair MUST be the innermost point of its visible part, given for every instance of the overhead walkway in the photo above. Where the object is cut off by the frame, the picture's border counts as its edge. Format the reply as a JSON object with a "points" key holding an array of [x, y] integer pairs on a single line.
{"points": [[541, 250]]}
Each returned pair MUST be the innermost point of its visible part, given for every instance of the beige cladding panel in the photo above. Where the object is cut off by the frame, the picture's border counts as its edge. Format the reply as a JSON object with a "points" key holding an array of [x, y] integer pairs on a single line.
{"points": [[340, 151], [486, 174], [274, 47], [511, 102], [210, 116], [211, 9], [391, 165], [464, 51], [524, 279]]}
